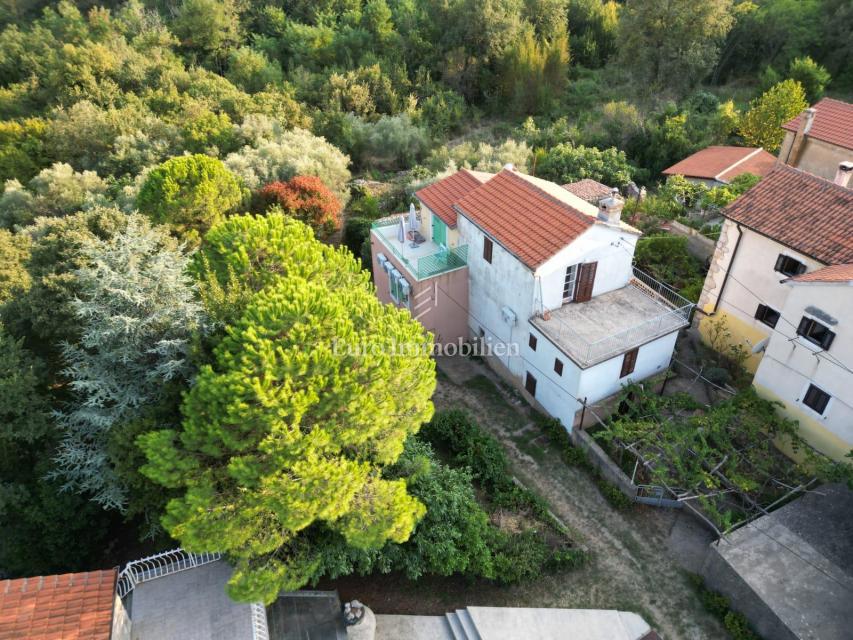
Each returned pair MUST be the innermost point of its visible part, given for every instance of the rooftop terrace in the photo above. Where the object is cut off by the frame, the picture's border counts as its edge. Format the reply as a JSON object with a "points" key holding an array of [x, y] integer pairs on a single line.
{"points": [[423, 260], [614, 322]]}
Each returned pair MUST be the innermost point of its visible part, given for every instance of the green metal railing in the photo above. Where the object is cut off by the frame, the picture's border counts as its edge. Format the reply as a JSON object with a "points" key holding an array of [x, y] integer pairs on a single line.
{"points": [[425, 266]]}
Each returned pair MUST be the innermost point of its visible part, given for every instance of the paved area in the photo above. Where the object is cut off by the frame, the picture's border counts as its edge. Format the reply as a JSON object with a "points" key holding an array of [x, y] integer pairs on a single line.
{"points": [[189, 605], [609, 323], [792, 571], [306, 615]]}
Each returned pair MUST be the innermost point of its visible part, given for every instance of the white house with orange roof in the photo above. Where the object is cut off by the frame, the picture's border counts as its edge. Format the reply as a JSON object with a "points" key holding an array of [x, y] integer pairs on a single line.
{"points": [[550, 286], [719, 165]]}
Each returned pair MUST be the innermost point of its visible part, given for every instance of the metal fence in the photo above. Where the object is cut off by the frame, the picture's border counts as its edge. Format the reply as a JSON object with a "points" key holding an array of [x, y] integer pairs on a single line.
{"points": [[174, 561], [424, 266]]}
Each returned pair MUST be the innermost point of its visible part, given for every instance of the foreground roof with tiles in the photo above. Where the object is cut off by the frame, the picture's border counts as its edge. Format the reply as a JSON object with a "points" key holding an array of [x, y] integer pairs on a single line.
{"points": [[832, 273], [809, 214], [440, 196], [588, 189], [833, 123], [723, 163], [524, 217], [72, 606]]}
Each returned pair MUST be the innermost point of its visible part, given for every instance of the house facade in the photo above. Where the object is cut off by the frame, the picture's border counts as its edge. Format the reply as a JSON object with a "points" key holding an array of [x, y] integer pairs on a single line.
{"points": [[820, 138], [789, 226], [552, 291]]}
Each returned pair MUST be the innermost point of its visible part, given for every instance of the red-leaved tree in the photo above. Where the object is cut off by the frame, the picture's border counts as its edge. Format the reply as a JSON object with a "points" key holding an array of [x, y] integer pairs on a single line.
{"points": [[305, 198]]}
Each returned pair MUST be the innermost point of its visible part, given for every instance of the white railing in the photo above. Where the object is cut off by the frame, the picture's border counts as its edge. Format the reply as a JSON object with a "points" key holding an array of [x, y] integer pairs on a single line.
{"points": [[174, 561], [159, 565], [260, 630]]}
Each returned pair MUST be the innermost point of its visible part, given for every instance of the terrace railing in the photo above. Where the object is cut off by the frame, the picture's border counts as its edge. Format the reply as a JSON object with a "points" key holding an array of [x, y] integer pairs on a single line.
{"points": [[427, 266]]}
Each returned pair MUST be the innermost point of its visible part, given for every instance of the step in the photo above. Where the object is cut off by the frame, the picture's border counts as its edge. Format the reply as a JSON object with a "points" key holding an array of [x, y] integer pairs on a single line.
{"points": [[467, 624], [456, 627]]}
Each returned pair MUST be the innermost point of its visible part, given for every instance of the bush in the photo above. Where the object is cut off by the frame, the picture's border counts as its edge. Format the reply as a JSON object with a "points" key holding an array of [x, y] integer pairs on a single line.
{"points": [[520, 557], [307, 199], [568, 163], [811, 75]]}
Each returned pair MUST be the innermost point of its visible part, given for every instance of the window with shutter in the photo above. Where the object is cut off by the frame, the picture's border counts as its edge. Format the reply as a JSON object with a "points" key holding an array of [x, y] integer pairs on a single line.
{"points": [[789, 266], [767, 315], [629, 361], [815, 332], [816, 399], [570, 282], [531, 342], [487, 250], [530, 384], [558, 366], [586, 281]]}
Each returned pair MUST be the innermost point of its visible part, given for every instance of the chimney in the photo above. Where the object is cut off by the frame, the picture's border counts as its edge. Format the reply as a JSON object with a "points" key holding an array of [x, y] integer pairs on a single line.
{"points": [[799, 137], [509, 166], [610, 208], [842, 175]]}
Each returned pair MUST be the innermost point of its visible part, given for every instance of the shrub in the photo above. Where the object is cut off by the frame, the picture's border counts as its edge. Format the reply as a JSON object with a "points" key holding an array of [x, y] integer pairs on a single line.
{"points": [[811, 75], [307, 199], [520, 557], [569, 163]]}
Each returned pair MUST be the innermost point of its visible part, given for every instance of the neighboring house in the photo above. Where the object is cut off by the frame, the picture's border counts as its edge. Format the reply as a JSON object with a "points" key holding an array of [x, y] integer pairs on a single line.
{"points": [[63, 607], [716, 166], [791, 572], [766, 281], [549, 284], [820, 138], [588, 190]]}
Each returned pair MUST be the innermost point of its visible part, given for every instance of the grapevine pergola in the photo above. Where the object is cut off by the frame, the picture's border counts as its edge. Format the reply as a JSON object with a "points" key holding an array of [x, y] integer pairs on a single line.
{"points": [[722, 462]]}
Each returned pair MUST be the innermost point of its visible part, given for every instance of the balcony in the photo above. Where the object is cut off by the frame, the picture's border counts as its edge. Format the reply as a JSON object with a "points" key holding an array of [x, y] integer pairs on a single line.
{"points": [[424, 260], [617, 321]]}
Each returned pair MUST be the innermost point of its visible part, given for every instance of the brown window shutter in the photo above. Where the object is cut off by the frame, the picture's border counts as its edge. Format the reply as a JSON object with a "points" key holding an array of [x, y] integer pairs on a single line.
{"points": [[586, 281], [629, 361], [487, 250]]}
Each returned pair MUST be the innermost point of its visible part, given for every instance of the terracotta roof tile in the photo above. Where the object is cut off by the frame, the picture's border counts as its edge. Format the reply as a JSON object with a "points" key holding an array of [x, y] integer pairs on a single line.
{"points": [[440, 196], [800, 210], [833, 123], [588, 189], [72, 606], [832, 273], [723, 163], [527, 221]]}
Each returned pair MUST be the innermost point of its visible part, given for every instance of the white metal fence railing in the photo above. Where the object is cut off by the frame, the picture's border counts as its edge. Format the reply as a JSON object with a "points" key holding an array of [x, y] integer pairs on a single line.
{"points": [[173, 561]]}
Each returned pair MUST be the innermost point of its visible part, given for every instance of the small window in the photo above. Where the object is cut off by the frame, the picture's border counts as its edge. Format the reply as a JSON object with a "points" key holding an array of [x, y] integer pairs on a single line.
{"points": [[789, 266], [530, 384], [816, 399], [558, 366], [531, 342], [816, 333], [767, 315], [629, 361], [487, 250]]}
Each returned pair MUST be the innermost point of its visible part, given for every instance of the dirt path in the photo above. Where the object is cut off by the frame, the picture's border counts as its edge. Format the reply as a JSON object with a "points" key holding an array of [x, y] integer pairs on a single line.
{"points": [[633, 565]]}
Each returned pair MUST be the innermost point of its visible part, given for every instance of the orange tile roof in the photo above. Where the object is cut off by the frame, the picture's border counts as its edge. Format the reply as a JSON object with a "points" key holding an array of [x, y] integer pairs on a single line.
{"points": [[588, 189], [73, 606], [809, 214], [723, 163], [832, 273], [440, 196], [528, 222], [833, 123]]}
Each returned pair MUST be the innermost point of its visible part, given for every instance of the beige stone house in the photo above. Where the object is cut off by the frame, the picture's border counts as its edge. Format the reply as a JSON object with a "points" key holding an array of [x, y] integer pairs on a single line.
{"points": [[820, 138]]}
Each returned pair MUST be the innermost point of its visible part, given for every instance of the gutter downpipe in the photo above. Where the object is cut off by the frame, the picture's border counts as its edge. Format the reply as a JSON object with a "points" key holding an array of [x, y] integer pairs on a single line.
{"points": [[726, 277]]}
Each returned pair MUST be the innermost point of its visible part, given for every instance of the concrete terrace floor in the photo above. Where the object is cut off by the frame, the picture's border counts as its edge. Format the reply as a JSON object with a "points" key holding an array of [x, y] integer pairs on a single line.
{"points": [[189, 605], [575, 326]]}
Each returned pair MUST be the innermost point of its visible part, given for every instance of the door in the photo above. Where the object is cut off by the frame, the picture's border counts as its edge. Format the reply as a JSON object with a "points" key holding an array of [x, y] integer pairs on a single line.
{"points": [[570, 283], [439, 231], [586, 281]]}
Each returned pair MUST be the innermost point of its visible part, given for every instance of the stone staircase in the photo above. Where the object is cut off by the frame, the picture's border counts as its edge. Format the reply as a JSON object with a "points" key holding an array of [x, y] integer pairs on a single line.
{"points": [[461, 625]]}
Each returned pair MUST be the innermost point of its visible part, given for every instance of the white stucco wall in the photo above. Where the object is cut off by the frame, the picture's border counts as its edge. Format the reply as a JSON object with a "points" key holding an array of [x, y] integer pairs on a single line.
{"points": [[790, 365], [561, 395], [612, 248], [752, 279]]}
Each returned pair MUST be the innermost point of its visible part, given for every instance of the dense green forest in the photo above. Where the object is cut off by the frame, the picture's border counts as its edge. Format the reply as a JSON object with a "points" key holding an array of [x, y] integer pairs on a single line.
{"points": [[175, 175]]}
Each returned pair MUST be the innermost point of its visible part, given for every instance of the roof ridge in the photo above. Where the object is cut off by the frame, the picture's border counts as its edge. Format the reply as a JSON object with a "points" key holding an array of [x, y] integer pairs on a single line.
{"points": [[808, 174], [547, 195], [755, 150]]}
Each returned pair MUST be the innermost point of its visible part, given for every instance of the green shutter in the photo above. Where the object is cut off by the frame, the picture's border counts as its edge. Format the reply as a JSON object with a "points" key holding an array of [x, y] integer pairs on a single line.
{"points": [[439, 231]]}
